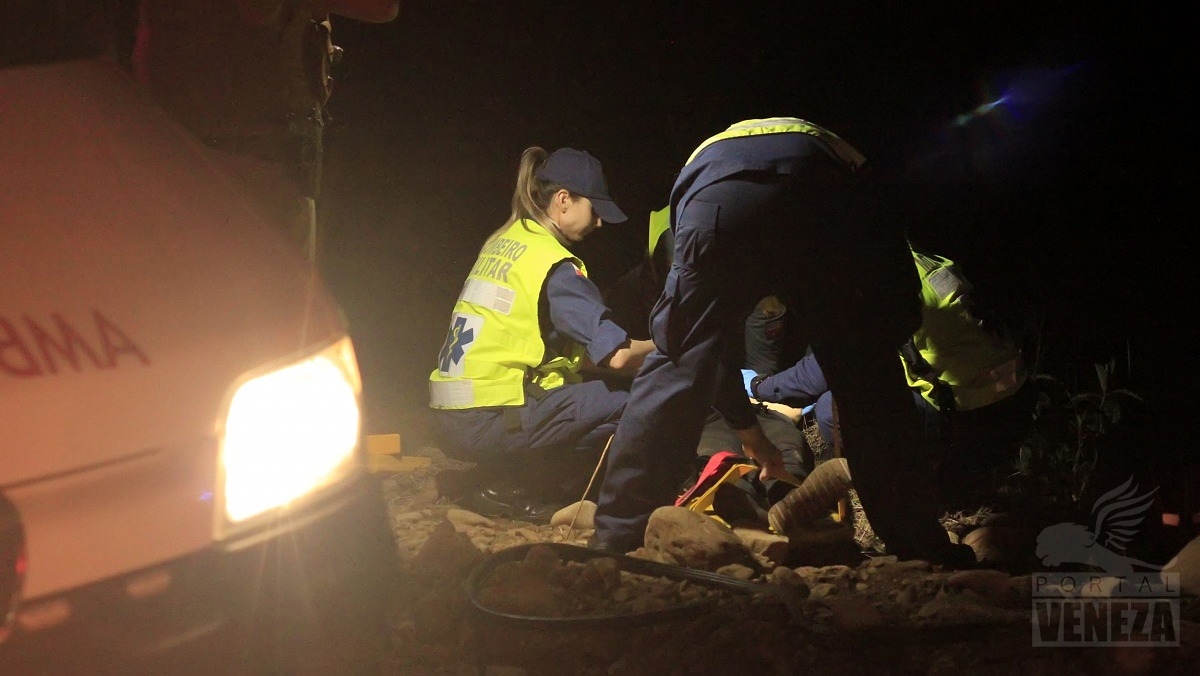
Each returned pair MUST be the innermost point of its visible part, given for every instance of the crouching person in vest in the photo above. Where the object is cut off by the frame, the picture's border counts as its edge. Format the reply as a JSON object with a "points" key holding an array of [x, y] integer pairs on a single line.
{"points": [[507, 393]]}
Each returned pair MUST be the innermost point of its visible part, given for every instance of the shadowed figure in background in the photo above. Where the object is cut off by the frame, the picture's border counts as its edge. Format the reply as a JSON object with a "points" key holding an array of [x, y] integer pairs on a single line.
{"points": [[967, 375], [778, 206]]}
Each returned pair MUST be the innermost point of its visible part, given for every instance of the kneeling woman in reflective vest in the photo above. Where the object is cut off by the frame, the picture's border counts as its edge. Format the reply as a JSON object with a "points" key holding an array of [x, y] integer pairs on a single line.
{"points": [[507, 392]]}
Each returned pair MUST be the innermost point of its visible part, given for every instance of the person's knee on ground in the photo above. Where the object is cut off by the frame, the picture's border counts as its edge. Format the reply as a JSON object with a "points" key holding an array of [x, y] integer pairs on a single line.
{"points": [[504, 482]]}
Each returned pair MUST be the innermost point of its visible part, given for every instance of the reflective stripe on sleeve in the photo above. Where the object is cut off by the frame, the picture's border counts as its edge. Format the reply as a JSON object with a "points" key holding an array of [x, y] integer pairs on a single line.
{"points": [[945, 282]]}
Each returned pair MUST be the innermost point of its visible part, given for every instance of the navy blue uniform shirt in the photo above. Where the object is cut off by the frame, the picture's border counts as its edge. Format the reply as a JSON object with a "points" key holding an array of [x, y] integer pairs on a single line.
{"points": [[575, 309]]}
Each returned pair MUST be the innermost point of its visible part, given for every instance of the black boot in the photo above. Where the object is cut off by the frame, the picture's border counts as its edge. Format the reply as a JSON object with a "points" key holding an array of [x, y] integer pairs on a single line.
{"points": [[504, 499]]}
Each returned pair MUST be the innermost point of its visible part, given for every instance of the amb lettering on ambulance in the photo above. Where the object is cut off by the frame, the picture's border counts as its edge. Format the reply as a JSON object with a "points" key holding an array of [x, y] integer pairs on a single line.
{"points": [[30, 348], [496, 260]]}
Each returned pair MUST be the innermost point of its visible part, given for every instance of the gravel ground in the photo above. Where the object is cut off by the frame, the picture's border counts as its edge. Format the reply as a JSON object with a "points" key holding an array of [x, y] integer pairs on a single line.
{"points": [[540, 612]]}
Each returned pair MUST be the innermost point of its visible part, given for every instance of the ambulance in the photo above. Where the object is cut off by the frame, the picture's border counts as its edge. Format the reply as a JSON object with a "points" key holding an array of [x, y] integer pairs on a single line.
{"points": [[182, 482]]}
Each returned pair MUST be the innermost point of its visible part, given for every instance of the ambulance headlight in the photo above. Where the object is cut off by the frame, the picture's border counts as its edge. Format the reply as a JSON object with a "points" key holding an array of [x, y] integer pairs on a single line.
{"points": [[290, 432]]}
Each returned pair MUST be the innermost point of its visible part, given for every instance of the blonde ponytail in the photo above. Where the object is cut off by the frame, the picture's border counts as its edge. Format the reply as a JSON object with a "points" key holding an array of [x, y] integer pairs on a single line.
{"points": [[525, 196], [531, 195]]}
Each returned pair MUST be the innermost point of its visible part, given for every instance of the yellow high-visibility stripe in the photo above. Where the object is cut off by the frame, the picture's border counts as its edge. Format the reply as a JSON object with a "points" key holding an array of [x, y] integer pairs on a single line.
{"points": [[787, 125]]}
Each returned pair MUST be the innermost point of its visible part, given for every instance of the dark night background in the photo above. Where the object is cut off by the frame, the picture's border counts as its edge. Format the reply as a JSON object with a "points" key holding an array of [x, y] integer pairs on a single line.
{"points": [[1075, 194]]}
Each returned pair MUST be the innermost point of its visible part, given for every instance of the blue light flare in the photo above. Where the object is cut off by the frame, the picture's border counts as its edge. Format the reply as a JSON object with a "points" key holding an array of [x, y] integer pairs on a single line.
{"points": [[1016, 114]]}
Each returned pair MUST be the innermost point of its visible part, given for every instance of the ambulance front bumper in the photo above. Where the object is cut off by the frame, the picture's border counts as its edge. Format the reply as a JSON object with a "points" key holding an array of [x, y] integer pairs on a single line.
{"points": [[306, 598]]}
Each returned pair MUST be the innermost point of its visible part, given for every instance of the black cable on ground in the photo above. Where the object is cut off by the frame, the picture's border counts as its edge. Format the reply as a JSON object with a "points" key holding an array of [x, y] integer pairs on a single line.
{"points": [[474, 583]]}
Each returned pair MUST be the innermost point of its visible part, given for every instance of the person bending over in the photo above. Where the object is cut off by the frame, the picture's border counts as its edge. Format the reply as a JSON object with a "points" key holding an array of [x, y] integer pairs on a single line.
{"points": [[770, 205]]}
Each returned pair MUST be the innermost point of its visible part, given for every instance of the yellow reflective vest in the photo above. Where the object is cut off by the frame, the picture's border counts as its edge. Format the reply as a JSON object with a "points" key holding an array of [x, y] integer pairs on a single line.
{"points": [[494, 348], [660, 222], [786, 125], [979, 368]]}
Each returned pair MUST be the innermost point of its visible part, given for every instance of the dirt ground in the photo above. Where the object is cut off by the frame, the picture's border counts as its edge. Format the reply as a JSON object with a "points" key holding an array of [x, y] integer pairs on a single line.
{"points": [[508, 598]]}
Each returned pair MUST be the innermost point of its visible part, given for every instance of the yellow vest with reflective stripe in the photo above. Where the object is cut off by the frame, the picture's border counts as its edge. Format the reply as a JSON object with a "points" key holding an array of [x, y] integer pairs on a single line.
{"points": [[660, 222], [494, 345], [787, 125], [980, 369]]}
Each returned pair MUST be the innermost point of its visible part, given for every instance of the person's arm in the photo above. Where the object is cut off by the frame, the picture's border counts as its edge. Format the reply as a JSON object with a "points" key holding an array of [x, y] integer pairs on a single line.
{"points": [[760, 449], [628, 359], [631, 298], [790, 412], [800, 385], [576, 310], [629, 302], [742, 416]]}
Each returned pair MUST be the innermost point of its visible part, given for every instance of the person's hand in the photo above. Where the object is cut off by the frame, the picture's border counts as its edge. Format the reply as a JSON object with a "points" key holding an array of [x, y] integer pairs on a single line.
{"points": [[774, 469], [747, 377], [757, 447], [629, 357]]}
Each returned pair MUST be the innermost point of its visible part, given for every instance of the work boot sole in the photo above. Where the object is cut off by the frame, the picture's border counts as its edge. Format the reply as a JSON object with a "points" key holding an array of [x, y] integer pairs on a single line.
{"points": [[539, 514]]}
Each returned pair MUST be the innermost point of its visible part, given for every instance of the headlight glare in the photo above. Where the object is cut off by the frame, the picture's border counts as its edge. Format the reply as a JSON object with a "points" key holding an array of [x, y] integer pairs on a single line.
{"points": [[290, 432]]}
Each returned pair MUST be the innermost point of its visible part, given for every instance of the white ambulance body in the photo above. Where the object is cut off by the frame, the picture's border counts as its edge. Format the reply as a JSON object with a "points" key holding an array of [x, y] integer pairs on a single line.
{"points": [[180, 458]]}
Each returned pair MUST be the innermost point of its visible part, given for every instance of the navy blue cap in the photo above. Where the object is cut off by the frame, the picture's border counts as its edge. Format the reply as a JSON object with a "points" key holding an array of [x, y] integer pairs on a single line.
{"points": [[579, 172]]}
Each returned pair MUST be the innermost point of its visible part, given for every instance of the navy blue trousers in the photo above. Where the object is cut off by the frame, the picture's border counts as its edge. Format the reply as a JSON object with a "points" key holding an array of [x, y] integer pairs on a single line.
{"points": [[550, 446]]}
